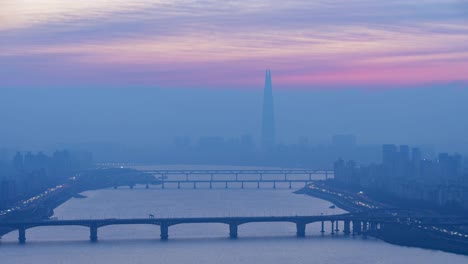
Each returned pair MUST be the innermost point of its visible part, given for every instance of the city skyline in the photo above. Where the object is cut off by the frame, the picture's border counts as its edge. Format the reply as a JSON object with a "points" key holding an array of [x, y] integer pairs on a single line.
{"points": [[253, 132]]}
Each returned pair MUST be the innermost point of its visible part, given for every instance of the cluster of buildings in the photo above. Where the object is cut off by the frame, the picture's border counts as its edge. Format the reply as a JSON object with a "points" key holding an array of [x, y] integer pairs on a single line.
{"points": [[29, 174], [406, 177]]}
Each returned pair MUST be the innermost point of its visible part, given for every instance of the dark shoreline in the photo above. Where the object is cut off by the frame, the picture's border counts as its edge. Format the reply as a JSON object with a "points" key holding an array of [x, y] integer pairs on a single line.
{"points": [[398, 234], [94, 179]]}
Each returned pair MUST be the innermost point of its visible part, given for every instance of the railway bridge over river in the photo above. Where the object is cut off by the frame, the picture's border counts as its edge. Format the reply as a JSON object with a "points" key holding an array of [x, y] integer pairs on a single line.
{"points": [[256, 178]]}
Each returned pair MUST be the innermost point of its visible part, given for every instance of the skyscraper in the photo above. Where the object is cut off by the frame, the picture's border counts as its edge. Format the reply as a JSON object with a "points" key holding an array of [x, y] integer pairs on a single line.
{"points": [[268, 118]]}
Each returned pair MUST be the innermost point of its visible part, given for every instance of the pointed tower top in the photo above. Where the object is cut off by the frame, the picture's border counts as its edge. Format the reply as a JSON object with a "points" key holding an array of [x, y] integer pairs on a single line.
{"points": [[268, 123]]}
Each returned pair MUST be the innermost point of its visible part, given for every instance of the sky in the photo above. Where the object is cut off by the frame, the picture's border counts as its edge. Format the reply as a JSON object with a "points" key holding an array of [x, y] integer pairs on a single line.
{"points": [[228, 44], [141, 72]]}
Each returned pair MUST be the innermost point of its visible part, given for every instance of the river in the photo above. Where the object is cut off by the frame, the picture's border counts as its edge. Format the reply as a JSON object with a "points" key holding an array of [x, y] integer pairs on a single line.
{"points": [[202, 243]]}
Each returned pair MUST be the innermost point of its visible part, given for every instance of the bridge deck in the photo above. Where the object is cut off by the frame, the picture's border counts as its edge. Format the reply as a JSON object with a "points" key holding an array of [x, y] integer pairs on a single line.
{"points": [[267, 171], [231, 220]]}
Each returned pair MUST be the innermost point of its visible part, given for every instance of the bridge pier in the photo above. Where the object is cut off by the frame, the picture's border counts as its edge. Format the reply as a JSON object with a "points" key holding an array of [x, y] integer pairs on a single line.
{"points": [[323, 228], [93, 233], [301, 227], [347, 229], [290, 185], [211, 185], [364, 227], [332, 227], [233, 231], [164, 231], [226, 186], [22, 235], [258, 185], [336, 227], [194, 185], [178, 185], [274, 185], [242, 185], [357, 229]]}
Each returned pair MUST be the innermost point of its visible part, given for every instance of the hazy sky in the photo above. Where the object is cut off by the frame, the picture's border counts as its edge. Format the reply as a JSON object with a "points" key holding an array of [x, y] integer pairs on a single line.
{"points": [[228, 44], [142, 72], [53, 118]]}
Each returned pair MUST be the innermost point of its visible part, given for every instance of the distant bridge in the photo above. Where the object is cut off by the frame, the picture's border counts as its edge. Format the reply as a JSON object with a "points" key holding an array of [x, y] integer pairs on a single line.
{"points": [[361, 223], [237, 178]]}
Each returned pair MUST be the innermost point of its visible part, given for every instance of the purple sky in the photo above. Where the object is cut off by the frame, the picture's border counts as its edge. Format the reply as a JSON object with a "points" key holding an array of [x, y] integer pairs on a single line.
{"points": [[228, 44]]}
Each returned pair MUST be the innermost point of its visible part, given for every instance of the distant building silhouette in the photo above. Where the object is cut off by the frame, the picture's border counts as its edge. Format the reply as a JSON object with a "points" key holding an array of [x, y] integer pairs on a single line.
{"points": [[406, 177], [268, 118]]}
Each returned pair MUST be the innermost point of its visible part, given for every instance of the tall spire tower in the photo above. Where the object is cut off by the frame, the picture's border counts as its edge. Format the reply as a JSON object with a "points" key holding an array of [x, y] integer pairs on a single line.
{"points": [[268, 118]]}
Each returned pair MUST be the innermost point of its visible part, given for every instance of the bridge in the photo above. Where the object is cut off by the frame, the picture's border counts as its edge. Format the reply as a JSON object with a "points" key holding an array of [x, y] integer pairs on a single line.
{"points": [[354, 224], [237, 178]]}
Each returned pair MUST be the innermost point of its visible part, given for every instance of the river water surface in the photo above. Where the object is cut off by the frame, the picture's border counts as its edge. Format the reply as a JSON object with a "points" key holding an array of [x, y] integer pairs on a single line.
{"points": [[202, 243]]}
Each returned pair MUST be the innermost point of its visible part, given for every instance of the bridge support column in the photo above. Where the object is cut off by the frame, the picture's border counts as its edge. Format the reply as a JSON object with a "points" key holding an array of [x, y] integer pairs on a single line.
{"points": [[233, 231], [93, 235], [332, 227], [290, 185], [178, 185], [357, 228], [347, 229], [226, 186], [242, 185], [22, 235], [258, 185], [336, 227], [147, 186], [301, 227], [323, 228], [274, 185], [211, 185], [194, 185], [164, 231]]}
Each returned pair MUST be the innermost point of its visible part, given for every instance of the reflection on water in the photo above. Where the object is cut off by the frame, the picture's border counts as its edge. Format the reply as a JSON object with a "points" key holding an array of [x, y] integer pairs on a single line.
{"points": [[202, 243]]}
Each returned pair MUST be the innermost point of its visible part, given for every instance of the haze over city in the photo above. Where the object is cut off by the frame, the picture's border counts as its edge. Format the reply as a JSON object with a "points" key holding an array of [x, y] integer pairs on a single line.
{"points": [[263, 131]]}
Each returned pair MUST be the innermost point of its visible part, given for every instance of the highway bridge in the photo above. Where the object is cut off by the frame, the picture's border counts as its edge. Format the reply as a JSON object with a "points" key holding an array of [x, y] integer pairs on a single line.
{"points": [[351, 223]]}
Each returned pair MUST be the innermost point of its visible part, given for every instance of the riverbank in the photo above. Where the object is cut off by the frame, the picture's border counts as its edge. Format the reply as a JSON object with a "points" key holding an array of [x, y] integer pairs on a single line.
{"points": [[397, 234], [41, 207]]}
